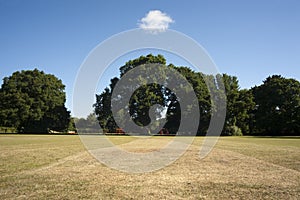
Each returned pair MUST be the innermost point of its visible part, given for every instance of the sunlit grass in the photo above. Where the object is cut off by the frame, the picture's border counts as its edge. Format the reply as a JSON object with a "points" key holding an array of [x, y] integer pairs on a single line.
{"points": [[59, 167]]}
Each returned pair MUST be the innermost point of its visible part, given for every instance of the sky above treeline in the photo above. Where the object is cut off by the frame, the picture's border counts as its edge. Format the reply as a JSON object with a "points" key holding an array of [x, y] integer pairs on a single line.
{"points": [[249, 39]]}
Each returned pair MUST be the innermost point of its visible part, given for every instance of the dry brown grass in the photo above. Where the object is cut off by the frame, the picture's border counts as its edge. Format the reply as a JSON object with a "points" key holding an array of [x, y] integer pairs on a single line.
{"points": [[58, 167]]}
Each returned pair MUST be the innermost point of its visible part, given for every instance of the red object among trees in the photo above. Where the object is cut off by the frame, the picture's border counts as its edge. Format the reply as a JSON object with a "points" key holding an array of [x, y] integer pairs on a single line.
{"points": [[164, 131], [120, 131]]}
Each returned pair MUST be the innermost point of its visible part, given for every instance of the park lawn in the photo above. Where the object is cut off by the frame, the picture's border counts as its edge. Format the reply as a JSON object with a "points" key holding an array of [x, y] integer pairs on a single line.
{"points": [[283, 151], [59, 167]]}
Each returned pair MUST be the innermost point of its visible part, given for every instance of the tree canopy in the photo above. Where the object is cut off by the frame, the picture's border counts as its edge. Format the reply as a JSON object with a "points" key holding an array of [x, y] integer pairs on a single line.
{"points": [[277, 108], [149, 95], [270, 109], [141, 101], [33, 102]]}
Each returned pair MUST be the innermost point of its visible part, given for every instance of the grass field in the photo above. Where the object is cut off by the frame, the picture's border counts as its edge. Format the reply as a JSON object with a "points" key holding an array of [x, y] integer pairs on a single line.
{"points": [[59, 167]]}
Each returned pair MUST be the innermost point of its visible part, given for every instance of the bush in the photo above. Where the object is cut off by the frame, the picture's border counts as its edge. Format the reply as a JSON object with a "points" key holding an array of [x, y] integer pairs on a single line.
{"points": [[8, 130], [232, 131]]}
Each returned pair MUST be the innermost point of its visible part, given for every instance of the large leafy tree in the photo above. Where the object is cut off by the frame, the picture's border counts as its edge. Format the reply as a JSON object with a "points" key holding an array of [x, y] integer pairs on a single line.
{"points": [[33, 101], [141, 101], [277, 107]]}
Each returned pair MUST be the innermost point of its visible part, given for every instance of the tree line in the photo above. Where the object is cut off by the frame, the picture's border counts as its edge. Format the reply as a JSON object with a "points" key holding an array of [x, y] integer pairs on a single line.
{"points": [[272, 108], [34, 102]]}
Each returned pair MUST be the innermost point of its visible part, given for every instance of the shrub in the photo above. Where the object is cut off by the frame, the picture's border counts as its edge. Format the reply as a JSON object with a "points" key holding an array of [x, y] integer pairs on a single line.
{"points": [[232, 131], [8, 130]]}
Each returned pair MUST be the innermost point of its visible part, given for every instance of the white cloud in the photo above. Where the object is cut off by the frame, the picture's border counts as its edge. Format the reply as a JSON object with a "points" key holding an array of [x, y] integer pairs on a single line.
{"points": [[155, 21]]}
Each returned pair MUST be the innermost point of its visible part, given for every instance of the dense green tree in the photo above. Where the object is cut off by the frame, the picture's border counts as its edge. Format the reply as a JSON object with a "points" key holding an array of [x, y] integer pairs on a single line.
{"points": [[103, 109], [239, 105], [244, 105], [277, 110], [141, 101], [33, 101], [197, 81]]}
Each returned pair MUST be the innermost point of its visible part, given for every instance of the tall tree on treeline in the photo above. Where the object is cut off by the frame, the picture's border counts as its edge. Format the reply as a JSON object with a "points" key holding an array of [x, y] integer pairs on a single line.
{"points": [[239, 106], [141, 101], [33, 102], [277, 110]]}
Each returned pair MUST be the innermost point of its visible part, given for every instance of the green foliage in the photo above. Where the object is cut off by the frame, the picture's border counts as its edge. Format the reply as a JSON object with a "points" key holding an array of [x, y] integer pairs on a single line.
{"points": [[103, 110], [148, 95], [88, 125], [8, 130], [240, 103], [277, 110], [142, 60], [245, 105], [72, 126], [141, 101], [232, 131], [33, 101], [272, 108]]}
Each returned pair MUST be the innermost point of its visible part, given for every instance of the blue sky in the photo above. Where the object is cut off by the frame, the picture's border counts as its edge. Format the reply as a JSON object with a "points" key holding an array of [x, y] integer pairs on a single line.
{"points": [[248, 39]]}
